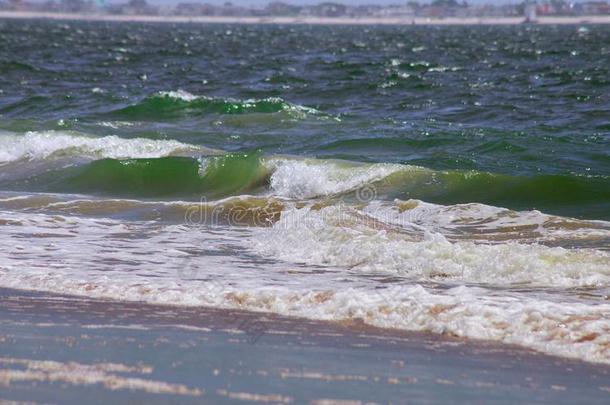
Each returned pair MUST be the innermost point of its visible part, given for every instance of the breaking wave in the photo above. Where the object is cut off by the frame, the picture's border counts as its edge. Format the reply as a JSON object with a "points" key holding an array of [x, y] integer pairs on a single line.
{"points": [[176, 104]]}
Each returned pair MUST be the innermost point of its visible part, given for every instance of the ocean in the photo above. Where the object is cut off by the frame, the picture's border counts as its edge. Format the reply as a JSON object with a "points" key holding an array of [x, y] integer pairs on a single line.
{"points": [[453, 180]]}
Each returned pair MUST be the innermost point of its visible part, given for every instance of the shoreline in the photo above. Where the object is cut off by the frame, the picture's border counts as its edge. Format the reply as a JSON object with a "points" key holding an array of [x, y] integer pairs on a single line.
{"points": [[59, 347], [563, 20]]}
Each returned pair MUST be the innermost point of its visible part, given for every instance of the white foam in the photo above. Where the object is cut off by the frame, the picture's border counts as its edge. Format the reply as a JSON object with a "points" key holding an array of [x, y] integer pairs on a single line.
{"points": [[179, 95], [122, 260], [485, 223], [565, 328], [294, 110], [310, 178], [343, 236], [41, 145]]}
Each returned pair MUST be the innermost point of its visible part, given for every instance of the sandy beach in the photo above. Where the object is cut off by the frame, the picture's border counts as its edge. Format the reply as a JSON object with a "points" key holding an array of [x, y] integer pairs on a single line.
{"points": [[599, 19], [60, 348]]}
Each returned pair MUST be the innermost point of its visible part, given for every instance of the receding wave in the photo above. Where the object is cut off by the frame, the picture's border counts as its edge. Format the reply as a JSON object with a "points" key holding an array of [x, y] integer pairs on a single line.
{"points": [[177, 104], [194, 268], [413, 245], [243, 210], [411, 219]]}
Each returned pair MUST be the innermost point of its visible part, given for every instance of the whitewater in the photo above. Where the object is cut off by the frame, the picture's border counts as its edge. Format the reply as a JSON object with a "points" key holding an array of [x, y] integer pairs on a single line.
{"points": [[469, 270]]}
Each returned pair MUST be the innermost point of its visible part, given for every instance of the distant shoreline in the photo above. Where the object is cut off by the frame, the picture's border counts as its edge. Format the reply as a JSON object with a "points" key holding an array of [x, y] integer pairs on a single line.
{"points": [[605, 19]]}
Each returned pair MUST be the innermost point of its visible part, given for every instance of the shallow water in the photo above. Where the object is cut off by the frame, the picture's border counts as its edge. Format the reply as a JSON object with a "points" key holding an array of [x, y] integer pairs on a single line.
{"points": [[448, 179]]}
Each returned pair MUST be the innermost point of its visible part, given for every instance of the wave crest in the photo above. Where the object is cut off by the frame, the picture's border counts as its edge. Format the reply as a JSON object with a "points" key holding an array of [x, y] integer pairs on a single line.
{"points": [[176, 104], [36, 145]]}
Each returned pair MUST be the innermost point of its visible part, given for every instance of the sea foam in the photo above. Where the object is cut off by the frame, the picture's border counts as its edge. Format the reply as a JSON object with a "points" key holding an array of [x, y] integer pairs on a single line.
{"points": [[346, 237], [192, 269], [309, 178], [44, 144]]}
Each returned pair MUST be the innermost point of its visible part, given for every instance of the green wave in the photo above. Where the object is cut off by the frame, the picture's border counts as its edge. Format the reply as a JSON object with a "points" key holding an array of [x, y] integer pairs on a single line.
{"points": [[167, 176], [570, 195], [235, 174], [19, 66], [167, 105]]}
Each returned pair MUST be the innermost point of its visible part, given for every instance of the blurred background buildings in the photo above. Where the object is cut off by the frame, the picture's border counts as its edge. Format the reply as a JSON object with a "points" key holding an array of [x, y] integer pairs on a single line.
{"points": [[433, 9]]}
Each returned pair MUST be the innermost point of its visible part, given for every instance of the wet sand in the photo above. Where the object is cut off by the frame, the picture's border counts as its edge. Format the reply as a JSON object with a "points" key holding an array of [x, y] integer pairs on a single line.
{"points": [[60, 349], [597, 19]]}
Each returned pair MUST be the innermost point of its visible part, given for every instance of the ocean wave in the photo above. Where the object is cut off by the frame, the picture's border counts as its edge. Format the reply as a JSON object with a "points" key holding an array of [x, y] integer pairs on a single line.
{"points": [[563, 328], [17, 66], [350, 238], [563, 194], [176, 104], [570, 195], [310, 178], [212, 176], [38, 145], [151, 170], [411, 219], [243, 210], [192, 269]]}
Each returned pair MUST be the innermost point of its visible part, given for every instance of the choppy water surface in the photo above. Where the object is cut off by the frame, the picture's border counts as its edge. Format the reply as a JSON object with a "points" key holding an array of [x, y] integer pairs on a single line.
{"points": [[450, 179]]}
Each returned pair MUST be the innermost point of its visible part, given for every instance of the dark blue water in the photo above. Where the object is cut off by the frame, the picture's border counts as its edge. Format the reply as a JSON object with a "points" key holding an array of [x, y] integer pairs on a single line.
{"points": [[528, 103]]}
